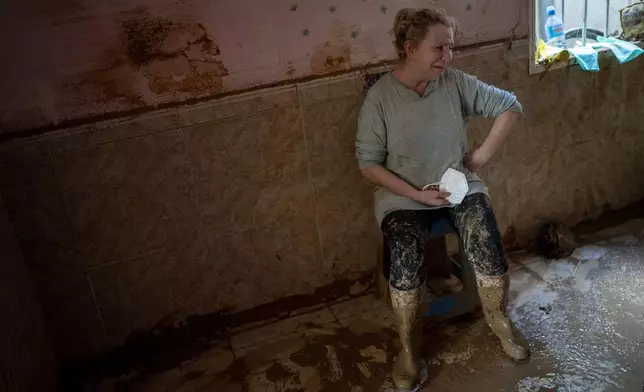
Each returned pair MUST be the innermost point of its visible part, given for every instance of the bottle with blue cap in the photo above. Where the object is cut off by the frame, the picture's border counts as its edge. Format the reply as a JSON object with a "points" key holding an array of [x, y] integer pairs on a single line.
{"points": [[554, 27]]}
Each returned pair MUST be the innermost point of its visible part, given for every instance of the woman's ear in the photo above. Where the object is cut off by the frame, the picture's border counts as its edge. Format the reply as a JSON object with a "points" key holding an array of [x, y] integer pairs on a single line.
{"points": [[410, 47]]}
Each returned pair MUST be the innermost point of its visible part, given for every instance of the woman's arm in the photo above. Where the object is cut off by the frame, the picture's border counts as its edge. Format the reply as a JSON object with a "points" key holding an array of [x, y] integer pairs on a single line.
{"points": [[481, 99], [386, 179], [499, 132]]}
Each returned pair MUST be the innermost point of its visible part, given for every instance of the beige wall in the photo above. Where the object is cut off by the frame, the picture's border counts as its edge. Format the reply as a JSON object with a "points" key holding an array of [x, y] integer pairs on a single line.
{"points": [[231, 204], [26, 358]]}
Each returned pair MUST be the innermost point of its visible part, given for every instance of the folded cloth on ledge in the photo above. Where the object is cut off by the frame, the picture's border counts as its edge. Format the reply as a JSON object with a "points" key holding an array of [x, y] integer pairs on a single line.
{"points": [[623, 50], [586, 57]]}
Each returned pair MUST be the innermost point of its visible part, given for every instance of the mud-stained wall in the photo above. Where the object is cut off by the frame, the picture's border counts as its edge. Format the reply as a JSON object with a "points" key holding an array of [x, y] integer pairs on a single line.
{"points": [[253, 204], [26, 357], [77, 59], [236, 204]]}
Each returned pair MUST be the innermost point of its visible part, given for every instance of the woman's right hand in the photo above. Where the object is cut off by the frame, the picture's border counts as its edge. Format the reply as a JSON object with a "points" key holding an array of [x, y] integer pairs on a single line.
{"points": [[386, 179], [431, 198]]}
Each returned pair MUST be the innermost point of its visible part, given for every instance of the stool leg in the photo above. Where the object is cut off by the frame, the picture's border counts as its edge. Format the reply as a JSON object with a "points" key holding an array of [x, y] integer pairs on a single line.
{"points": [[460, 303]]}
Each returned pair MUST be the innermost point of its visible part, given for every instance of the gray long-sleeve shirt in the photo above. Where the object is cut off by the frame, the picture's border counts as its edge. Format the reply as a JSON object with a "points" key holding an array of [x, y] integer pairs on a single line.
{"points": [[418, 138]]}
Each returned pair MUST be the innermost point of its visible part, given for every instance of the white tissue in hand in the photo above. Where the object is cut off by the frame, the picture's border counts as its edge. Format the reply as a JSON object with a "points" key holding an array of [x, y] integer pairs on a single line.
{"points": [[454, 182]]}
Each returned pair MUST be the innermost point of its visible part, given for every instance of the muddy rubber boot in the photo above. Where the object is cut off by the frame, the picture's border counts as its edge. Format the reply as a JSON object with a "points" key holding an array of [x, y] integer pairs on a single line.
{"points": [[493, 291], [406, 307]]}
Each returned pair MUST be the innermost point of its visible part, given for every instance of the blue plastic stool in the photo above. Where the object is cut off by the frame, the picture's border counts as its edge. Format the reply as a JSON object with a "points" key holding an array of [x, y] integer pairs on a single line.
{"points": [[448, 306]]}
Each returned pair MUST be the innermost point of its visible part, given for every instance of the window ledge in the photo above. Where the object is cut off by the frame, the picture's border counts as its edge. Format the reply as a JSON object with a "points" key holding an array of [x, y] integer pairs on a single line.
{"points": [[603, 54]]}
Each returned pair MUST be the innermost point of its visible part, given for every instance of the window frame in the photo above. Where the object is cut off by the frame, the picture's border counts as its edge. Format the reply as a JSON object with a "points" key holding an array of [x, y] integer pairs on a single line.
{"points": [[536, 68]]}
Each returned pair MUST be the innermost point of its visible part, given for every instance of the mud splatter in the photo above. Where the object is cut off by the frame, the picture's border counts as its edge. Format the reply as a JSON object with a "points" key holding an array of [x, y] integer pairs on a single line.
{"points": [[144, 38], [476, 224], [290, 69], [112, 85], [146, 354], [173, 56], [406, 233], [572, 354], [407, 237], [155, 56], [328, 360], [334, 55], [342, 361], [277, 372], [450, 357]]}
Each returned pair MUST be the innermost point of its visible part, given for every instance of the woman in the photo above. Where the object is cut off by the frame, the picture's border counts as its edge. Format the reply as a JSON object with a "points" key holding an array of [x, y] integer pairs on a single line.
{"points": [[411, 130]]}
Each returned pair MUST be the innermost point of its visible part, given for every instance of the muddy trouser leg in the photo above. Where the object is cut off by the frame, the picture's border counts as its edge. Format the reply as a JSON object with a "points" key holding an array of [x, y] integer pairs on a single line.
{"points": [[476, 225], [406, 233]]}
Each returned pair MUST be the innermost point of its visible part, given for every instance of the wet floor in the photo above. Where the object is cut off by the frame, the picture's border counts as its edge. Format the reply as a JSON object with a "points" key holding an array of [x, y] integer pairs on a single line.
{"points": [[583, 317]]}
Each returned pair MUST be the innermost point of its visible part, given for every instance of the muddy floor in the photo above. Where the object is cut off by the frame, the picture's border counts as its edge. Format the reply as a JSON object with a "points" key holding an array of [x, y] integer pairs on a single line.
{"points": [[583, 316]]}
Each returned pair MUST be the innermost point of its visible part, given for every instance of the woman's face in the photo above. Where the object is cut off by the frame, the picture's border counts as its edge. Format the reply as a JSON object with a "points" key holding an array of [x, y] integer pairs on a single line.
{"points": [[431, 56]]}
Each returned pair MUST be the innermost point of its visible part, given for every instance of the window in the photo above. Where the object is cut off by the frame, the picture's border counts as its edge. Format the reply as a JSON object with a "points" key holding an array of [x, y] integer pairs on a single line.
{"points": [[584, 22]]}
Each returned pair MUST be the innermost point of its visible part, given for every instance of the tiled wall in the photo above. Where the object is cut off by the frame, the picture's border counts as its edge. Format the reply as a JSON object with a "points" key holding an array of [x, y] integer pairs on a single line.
{"points": [[235, 203], [26, 356]]}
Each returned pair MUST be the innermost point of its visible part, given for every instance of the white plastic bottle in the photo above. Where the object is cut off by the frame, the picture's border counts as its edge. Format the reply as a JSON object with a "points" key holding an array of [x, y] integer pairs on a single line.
{"points": [[554, 26]]}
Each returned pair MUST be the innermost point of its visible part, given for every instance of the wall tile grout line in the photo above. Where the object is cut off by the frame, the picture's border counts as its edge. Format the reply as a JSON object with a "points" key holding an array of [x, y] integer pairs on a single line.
{"points": [[117, 140], [96, 266], [176, 114], [342, 80], [68, 210], [95, 127], [325, 275], [98, 309], [204, 236], [337, 319], [76, 240], [31, 296], [232, 100], [237, 116], [331, 98]]}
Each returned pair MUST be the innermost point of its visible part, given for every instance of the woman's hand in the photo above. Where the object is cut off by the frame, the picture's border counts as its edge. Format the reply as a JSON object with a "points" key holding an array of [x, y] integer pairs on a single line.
{"points": [[431, 198], [383, 177], [476, 160]]}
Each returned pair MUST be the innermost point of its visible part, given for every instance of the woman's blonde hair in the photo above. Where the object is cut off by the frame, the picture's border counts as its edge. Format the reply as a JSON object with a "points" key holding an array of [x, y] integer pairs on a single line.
{"points": [[412, 25]]}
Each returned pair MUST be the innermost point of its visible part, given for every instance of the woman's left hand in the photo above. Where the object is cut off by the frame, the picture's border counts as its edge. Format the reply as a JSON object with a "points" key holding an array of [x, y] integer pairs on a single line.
{"points": [[476, 160]]}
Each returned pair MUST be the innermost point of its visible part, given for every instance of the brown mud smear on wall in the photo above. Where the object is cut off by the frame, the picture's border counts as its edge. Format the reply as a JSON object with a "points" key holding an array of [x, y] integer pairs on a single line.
{"points": [[290, 69], [331, 58], [17, 133], [335, 54], [155, 56], [558, 240], [167, 346], [611, 218]]}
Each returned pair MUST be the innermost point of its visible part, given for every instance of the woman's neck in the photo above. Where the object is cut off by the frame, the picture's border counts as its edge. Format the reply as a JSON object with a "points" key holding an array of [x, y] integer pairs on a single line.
{"points": [[411, 79]]}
